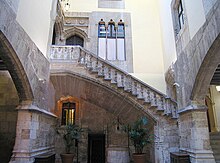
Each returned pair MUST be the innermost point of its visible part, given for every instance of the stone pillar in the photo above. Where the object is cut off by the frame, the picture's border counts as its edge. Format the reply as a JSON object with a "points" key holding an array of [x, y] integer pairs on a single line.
{"points": [[31, 133], [166, 139], [194, 134]]}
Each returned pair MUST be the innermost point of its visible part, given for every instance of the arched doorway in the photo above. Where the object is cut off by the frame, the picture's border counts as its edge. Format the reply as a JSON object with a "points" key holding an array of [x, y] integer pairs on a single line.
{"points": [[75, 40]]}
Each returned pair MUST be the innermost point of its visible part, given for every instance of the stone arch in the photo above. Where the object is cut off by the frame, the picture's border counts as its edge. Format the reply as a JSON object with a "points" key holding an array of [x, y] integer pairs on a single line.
{"points": [[15, 69], [206, 71], [111, 92], [115, 101], [57, 31]]}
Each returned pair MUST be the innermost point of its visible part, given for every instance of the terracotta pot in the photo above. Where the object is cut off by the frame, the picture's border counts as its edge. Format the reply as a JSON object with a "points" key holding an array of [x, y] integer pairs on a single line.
{"points": [[139, 158], [67, 157]]}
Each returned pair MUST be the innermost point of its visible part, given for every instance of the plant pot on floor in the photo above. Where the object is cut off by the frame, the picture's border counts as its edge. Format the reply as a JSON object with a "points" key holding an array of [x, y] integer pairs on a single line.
{"points": [[67, 157], [139, 158]]}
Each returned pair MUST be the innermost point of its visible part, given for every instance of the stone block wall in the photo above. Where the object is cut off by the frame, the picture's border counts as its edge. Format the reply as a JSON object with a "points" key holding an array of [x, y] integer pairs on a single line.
{"points": [[94, 120], [190, 57], [43, 135], [26, 62]]}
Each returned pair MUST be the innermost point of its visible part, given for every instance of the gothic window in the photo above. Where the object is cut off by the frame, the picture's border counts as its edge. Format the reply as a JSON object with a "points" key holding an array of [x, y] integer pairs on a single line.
{"points": [[68, 113], [111, 42], [178, 15], [111, 29], [121, 30], [75, 40], [102, 31]]}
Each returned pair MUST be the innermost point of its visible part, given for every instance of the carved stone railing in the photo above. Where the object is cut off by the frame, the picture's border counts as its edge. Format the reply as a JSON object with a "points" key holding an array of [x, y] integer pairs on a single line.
{"points": [[115, 75]]}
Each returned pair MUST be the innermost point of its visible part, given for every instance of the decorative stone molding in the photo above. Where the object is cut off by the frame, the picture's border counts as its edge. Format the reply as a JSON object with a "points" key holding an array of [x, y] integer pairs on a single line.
{"points": [[74, 31]]}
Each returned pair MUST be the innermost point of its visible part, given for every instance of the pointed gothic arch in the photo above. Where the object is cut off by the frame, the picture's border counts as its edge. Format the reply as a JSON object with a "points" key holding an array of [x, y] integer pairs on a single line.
{"points": [[15, 68], [206, 71], [75, 31]]}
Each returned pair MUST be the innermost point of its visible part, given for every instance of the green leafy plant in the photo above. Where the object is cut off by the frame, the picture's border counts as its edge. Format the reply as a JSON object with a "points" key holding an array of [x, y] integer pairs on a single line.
{"points": [[139, 134], [70, 134]]}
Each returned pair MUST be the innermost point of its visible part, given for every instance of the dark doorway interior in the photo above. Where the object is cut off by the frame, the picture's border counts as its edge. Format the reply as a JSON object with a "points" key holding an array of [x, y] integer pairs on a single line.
{"points": [[96, 152], [74, 40]]}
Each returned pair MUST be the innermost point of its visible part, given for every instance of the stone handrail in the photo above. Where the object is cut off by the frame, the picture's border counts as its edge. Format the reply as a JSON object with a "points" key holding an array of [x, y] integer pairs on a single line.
{"points": [[110, 72]]}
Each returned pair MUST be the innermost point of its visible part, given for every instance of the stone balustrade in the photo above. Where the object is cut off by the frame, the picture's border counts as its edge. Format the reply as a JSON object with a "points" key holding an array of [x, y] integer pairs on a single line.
{"points": [[115, 75]]}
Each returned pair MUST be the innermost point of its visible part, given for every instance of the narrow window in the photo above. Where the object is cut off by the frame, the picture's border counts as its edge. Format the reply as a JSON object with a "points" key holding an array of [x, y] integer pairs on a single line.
{"points": [[121, 30], [111, 41], [101, 30], [111, 29], [68, 113], [102, 39], [121, 41], [180, 14]]}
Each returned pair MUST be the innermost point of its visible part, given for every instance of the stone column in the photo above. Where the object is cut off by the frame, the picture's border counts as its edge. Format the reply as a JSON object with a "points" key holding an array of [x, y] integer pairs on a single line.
{"points": [[194, 134], [166, 139], [22, 147], [32, 132]]}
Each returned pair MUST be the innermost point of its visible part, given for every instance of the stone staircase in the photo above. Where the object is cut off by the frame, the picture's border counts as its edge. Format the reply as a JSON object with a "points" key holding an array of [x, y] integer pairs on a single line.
{"points": [[78, 60], [215, 144]]}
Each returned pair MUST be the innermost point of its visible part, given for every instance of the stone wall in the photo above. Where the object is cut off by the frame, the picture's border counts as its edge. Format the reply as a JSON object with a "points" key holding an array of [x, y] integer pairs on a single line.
{"points": [[196, 62], [194, 136], [192, 55], [27, 65], [35, 132], [94, 120], [85, 25], [29, 70]]}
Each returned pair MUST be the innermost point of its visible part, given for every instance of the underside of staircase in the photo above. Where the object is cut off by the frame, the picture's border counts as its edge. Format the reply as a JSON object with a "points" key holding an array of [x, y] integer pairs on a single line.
{"points": [[215, 144], [77, 60]]}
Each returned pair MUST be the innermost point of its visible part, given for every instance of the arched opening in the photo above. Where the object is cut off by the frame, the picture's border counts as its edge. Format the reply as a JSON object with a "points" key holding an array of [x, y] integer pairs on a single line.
{"points": [[14, 88], [75, 40], [54, 36], [8, 115], [102, 113]]}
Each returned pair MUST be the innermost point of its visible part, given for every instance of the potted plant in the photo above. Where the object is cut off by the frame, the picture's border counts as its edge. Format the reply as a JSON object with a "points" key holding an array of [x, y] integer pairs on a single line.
{"points": [[140, 136], [71, 135]]}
